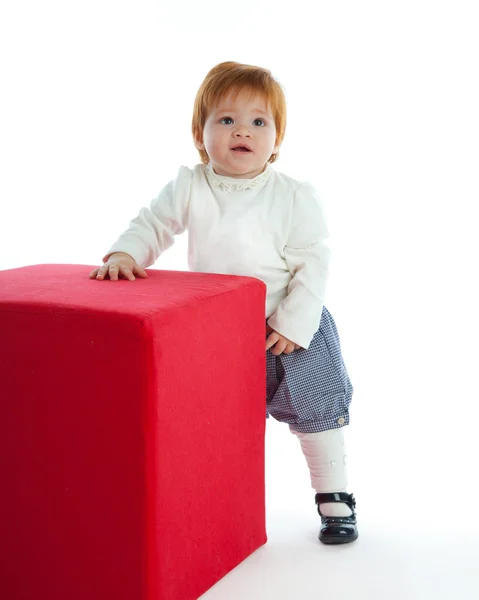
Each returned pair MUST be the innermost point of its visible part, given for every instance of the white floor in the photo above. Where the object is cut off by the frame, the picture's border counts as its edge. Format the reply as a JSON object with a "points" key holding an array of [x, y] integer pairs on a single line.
{"points": [[410, 546]]}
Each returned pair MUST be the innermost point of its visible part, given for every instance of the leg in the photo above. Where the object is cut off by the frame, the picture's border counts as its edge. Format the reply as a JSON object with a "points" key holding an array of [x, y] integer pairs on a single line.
{"points": [[311, 391], [325, 454]]}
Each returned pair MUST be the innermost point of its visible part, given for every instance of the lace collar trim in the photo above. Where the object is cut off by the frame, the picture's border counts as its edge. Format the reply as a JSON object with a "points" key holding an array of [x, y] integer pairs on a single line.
{"points": [[230, 184]]}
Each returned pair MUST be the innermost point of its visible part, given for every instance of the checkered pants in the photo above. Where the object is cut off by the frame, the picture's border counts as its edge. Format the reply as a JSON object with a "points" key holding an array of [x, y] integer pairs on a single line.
{"points": [[310, 389]]}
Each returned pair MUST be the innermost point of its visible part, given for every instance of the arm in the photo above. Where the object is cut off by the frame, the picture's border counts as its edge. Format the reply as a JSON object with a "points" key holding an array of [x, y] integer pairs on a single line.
{"points": [[308, 256], [153, 230]]}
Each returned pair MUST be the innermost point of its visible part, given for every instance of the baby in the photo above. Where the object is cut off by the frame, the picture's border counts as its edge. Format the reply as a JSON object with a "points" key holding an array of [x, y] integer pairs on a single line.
{"points": [[245, 218]]}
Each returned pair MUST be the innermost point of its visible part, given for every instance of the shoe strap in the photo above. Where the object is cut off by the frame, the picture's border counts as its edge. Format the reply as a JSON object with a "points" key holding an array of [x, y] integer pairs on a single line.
{"points": [[336, 497]]}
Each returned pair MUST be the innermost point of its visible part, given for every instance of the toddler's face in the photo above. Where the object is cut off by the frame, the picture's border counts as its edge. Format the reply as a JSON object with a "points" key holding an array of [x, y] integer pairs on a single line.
{"points": [[242, 122]]}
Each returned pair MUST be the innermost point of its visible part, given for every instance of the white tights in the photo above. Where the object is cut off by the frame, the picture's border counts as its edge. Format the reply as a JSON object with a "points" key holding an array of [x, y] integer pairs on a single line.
{"points": [[325, 454]]}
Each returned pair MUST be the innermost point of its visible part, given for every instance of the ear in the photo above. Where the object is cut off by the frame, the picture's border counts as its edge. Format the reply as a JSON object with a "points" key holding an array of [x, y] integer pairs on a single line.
{"points": [[276, 149], [199, 142]]}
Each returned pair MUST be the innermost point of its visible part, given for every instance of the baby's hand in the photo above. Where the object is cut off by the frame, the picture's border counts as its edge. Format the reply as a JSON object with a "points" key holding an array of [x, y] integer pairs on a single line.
{"points": [[282, 343], [119, 265]]}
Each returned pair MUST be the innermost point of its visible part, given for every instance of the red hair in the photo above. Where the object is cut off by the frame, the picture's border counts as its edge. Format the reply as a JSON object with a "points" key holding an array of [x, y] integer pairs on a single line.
{"points": [[236, 77]]}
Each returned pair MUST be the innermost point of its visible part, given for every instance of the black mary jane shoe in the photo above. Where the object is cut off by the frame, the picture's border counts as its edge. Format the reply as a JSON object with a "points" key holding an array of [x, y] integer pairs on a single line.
{"points": [[337, 530]]}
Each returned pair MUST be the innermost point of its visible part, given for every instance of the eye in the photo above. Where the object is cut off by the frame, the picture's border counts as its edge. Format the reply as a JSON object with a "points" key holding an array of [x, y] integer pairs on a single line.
{"points": [[262, 123], [226, 119]]}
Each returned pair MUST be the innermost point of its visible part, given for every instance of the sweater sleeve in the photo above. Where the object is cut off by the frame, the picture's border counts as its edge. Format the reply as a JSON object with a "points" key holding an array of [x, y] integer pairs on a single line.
{"points": [[153, 230], [308, 256]]}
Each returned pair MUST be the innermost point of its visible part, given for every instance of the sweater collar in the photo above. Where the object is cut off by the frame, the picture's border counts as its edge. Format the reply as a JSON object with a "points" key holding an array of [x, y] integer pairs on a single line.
{"points": [[232, 184]]}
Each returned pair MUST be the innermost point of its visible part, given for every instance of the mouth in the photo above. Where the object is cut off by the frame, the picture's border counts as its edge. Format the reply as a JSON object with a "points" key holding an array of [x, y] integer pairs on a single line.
{"points": [[241, 148]]}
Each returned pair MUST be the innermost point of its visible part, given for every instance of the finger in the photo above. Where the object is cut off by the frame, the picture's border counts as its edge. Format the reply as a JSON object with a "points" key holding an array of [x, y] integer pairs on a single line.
{"points": [[93, 274], [101, 273], [127, 273], [279, 348], [271, 341], [113, 271], [140, 272]]}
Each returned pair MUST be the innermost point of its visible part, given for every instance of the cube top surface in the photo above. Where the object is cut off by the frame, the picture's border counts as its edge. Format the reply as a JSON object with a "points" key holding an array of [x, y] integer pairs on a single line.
{"points": [[68, 287]]}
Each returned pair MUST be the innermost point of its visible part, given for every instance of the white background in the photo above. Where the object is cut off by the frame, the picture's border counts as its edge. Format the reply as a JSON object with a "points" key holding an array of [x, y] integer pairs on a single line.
{"points": [[96, 102]]}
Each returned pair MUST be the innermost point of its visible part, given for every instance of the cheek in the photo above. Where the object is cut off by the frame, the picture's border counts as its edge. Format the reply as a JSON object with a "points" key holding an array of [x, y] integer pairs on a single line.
{"points": [[214, 138], [208, 133], [269, 139]]}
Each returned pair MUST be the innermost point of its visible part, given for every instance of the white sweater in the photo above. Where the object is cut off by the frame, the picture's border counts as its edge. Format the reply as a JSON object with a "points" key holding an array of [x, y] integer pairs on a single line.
{"points": [[271, 227]]}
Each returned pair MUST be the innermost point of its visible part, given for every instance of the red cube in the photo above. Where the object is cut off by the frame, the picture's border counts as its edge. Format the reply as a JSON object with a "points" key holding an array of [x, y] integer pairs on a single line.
{"points": [[132, 422]]}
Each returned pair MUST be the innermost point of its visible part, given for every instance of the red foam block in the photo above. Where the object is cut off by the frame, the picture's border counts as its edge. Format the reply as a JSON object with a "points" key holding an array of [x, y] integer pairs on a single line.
{"points": [[132, 421]]}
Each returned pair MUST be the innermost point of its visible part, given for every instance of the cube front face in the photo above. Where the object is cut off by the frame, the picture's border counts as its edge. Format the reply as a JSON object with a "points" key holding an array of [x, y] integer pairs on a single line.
{"points": [[132, 446], [73, 500]]}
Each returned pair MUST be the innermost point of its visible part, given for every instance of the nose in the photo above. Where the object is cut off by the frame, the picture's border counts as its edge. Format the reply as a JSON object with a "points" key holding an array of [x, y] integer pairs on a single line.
{"points": [[242, 131]]}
